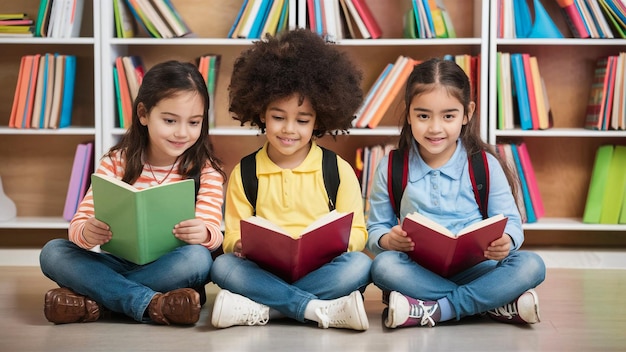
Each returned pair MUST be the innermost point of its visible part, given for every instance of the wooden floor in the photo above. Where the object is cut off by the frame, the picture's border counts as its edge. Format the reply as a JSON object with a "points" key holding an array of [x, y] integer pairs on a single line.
{"points": [[581, 310]]}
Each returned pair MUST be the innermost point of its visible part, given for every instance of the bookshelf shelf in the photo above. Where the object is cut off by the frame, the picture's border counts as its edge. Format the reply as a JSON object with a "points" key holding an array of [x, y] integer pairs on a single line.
{"points": [[84, 131], [32, 222], [559, 132], [570, 224]]}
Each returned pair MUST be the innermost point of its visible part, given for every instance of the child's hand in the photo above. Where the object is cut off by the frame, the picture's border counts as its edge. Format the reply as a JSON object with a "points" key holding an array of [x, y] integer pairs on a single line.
{"points": [[397, 240], [237, 250], [96, 232], [192, 231], [499, 248]]}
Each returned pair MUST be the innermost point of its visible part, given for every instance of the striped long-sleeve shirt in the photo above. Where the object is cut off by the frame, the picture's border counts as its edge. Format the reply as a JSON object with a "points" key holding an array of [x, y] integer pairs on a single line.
{"points": [[208, 202]]}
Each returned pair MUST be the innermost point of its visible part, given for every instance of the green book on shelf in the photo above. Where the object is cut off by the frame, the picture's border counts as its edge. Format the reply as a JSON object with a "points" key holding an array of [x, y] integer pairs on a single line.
{"points": [[599, 173], [142, 220], [614, 187]]}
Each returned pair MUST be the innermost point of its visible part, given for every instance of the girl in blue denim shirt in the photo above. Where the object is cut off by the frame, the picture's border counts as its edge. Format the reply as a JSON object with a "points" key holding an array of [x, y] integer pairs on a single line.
{"points": [[440, 132]]}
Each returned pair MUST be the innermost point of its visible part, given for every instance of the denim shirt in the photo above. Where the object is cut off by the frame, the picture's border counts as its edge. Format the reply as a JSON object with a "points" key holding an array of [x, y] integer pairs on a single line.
{"points": [[444, 195]]}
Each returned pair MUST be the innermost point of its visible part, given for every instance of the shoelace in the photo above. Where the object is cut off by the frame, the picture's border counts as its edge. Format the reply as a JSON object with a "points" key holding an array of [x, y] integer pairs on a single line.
{"points": [[254, 317], [324, 314], [420, 311], [508, 311]]}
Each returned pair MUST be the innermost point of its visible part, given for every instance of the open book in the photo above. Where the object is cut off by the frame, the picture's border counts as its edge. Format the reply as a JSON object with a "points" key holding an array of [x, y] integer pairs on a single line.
{"points": [[291, 258], [142, 220], [444, 253]]}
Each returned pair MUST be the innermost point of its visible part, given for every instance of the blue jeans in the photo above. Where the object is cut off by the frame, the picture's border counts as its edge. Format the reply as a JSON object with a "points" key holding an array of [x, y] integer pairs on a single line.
{"points": [[343, 275], [487, 285], [118, 284]]}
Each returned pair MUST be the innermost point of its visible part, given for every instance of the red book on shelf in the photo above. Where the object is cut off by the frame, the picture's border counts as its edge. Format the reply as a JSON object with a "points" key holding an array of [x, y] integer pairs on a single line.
{"points": [[444, 253], [291, 258], [573, 18], [532, 94], [368, 18]]}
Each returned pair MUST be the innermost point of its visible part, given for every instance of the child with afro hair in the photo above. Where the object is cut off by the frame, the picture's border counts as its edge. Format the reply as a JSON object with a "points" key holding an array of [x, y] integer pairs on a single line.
{"points": [[296, 88]]}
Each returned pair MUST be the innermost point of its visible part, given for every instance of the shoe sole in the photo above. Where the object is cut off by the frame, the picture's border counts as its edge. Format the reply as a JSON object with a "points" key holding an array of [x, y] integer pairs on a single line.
{"points": [[362, 317], [217, 309]]}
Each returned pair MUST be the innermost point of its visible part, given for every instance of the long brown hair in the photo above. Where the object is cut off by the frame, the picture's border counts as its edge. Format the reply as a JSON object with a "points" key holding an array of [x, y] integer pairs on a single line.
{"points": [[160, 82], [437, 72]]}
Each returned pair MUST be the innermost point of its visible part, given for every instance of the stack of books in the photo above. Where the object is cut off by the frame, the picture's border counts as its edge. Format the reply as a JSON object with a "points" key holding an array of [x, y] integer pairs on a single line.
{"points": [[595, 18], [333, 19], [128, 72], [44, 94], [59, 18], [158, 18], [521, 92], [15, 25], [428, 19], [606, 198], [606, 107]]}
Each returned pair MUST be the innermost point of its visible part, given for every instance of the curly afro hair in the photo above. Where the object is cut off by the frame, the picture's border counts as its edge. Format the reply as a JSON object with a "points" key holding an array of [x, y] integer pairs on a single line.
{"points": [[296, 62]]}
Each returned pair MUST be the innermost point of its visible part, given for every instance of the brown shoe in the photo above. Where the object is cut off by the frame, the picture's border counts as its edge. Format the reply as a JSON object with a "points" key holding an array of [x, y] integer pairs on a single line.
{"points": [[62, 305], [181, 306]]}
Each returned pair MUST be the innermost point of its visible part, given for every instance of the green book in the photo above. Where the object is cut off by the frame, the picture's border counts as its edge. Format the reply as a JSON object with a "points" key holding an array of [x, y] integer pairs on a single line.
{"points": [[614, 188], [142, 220], [599, 173]]}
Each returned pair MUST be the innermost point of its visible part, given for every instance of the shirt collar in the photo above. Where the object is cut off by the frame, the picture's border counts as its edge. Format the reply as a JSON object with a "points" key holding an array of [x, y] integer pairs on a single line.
{"points": [[418, 169], [312, 162]]}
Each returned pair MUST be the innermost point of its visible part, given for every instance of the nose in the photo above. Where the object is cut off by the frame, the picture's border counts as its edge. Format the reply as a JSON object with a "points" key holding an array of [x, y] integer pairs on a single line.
{"points": [[181, 130], [434, 125]]}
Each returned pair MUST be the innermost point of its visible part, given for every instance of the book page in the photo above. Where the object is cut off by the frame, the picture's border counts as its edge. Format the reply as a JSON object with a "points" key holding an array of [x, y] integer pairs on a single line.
{"points": [[262, 222], [328, 218], [482, 223], [421, 219]]}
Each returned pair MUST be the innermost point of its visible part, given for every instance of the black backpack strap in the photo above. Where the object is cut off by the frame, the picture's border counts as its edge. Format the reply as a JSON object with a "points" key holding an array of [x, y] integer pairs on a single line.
{"points": [[330, 172], [196, 182], [249, 180], [397, 177], [479, 174]]}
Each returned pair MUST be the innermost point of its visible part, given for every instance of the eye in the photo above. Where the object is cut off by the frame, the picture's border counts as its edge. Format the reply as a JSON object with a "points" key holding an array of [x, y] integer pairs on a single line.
{"points": [[422, 116], [169, 121], [448, 117], [277, 118], [195, 122], [303, 122]]}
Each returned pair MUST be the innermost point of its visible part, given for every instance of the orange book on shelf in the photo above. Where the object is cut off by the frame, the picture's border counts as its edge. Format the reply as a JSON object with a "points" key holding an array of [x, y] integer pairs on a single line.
{"points": [[127, 108], [23, 98], [391, 94], [543, 107], [18, 90], [38, 99], [532, 92], [30, 92]]}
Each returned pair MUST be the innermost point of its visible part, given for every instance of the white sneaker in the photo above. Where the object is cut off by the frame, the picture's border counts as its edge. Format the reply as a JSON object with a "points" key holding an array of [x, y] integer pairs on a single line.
{"points": [[524, 310], [232, 309], [407, 311], [346, 312]]}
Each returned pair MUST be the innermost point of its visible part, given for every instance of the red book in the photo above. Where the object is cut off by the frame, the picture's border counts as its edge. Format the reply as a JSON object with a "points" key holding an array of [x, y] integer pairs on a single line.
{"points": [[444, 253], [291, 258], [368, 19], [532, 94]]}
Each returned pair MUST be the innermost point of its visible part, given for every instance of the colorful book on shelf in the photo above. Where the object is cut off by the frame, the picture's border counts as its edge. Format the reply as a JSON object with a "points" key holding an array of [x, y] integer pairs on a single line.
{"points": [[232, 32], [31, 92], [368, 18], [249, 17], [599, 19], [142, 220], [574, 19], [607, 96], [43, 17], [587, 18], [125, 26], [141, 18], [18, 91], [531, 180], [593, 117], [445, 253], [506, 154], [259, 20], [439, 24], [613, 18], [615, 184], [597, 184], [50, 79], [372, 92], [291, 258], [506, 120], [39, 91], [521, 91], [125, 97], [358, 20], [118, 99], [532, 93], [57, 92], [530, 211], [79, 179], [544, 113], [273, 16], [67, 103], [618, 111], [169, 15]]}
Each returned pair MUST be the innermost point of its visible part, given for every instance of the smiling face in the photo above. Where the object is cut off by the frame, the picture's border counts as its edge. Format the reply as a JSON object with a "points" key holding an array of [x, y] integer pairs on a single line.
{"points": [[436, 119], [289, 129], [174, 125]]}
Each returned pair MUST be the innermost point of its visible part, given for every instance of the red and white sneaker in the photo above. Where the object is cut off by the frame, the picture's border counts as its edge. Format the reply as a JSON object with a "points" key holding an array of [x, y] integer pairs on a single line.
{"points": [[524, 310], [406, 311]]}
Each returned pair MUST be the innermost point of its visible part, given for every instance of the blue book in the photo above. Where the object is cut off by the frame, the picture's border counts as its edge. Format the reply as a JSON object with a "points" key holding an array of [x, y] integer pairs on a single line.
{"points": [[69, 81], [259, 20], [429, 17], [42, 116], [522, 18], [530, 212], [237, 19], [284, 15], [319, 28], [521, 91], [372, 92]]}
